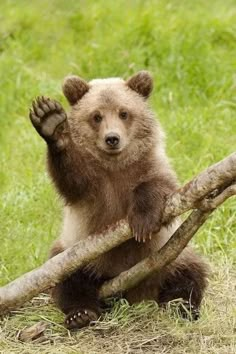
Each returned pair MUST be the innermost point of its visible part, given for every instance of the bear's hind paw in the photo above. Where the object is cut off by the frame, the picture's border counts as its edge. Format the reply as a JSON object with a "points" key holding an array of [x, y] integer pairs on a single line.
{"points": [[81, 317]]}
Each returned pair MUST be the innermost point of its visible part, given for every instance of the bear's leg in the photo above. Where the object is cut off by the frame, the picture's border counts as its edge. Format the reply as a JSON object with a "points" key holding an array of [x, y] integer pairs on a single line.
{"points": [[77, 296], [185, 279]]}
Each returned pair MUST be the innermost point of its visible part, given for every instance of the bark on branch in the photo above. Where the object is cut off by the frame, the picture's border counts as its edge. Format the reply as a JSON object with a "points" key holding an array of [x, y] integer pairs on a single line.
{"points": [[204, 193]]}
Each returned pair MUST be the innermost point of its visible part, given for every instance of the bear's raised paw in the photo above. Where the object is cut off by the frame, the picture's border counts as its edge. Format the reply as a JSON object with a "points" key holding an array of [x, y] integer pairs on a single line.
{"points": [[50, 120]]}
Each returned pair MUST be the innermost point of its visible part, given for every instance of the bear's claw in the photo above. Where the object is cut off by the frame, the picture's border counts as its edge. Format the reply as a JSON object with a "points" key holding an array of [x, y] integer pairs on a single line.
{"points": [[144, 227], [80, 318], [189, 311]]}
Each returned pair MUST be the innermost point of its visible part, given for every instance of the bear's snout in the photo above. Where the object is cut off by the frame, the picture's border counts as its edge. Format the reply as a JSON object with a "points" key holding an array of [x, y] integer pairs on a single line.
{"points": [[112, 140]]}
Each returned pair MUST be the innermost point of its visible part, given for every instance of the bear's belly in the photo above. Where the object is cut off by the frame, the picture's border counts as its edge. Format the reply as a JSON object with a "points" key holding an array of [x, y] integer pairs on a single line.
{"points": [[126, 255], [120, 258]]}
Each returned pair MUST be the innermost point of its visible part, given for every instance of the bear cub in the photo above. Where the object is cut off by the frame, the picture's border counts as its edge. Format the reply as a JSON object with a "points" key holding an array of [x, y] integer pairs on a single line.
{"points": [[107, 160]]}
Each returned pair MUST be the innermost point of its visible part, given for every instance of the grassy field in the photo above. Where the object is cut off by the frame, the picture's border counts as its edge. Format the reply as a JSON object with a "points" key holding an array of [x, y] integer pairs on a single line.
{"points": [[190, 48]]}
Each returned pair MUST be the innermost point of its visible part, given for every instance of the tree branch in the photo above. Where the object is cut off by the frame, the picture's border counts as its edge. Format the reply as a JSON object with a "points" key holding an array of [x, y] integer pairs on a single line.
{"points": [[218, 175], [195, 194], [210, 203]]}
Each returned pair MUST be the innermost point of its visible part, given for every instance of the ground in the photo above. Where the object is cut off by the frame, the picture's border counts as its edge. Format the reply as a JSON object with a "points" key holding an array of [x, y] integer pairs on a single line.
{"points": [[190, 47]]}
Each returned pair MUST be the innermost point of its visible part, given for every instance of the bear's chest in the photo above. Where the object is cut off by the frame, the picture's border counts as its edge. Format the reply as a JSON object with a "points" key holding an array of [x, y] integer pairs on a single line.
{"points": [[110, 202], [106, 203], [115, 192]]}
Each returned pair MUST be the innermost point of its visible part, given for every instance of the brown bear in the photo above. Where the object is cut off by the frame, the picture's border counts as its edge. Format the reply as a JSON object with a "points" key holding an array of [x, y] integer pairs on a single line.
{"points": [[108, 162]]}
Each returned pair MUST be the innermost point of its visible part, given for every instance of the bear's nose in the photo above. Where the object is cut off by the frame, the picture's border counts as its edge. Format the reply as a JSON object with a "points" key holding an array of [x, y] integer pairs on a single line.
{"points": [[112, 139]]}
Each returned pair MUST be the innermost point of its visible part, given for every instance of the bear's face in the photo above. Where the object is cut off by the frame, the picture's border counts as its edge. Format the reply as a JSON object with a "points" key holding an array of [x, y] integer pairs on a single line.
{"points": [[110, 117], [110, 122]]}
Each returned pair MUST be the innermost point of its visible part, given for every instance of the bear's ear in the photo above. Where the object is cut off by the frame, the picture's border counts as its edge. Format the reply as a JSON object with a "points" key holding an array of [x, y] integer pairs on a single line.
{"points": [[141, 83], [74, 88]]}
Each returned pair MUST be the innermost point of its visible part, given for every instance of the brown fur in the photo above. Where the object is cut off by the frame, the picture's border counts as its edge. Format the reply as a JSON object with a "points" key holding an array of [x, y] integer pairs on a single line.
{"points": [[141, 83], [74, 88], [101, 185]]}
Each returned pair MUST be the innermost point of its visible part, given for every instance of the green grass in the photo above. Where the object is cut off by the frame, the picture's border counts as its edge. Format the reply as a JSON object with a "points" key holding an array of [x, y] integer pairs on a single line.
{"points": [[190, 48]]}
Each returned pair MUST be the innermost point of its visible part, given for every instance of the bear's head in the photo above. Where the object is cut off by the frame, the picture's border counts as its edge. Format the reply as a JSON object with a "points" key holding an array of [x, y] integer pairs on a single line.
{"points": [[110, 117]]}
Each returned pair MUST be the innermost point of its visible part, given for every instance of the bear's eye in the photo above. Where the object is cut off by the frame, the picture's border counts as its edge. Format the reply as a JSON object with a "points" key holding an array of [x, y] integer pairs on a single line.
{"points": [[123, 115], [97, 118]]}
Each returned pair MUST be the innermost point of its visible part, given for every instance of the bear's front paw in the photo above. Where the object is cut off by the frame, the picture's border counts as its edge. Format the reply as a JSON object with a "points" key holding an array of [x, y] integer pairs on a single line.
{"points": [[49, 119], [143, 226], [80, 317]]}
